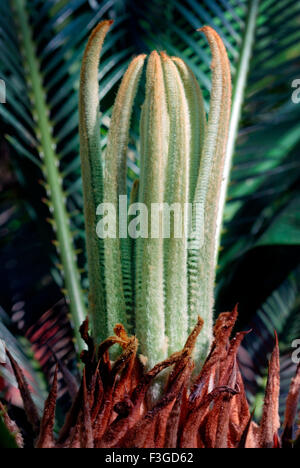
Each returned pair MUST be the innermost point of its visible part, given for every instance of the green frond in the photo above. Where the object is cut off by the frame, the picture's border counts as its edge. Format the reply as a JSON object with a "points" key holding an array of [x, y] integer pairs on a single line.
{"points": [[280, 312], [51, 170], [261, 173], [117, 258], [92, 173], [177, 192], [150, 323], [208, 190]]}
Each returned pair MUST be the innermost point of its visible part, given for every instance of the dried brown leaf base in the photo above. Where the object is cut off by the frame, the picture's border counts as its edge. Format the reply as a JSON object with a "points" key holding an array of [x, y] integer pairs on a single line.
{"points": [[111, 409]]}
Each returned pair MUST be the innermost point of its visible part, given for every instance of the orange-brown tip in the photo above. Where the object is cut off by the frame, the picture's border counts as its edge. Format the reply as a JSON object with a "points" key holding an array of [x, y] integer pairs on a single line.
{"points": [[164, 56], [276, 338], [154, 54], [100, 26], [205, 28]]}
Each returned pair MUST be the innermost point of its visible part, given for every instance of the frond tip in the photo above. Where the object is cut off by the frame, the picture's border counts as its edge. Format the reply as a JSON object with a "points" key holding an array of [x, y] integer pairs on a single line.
{"points": [[202, 258], [92, 171]]}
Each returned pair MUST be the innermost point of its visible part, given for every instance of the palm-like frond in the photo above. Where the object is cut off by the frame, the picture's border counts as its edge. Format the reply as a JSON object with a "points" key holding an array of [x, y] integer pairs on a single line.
{"points": [[266, 167], [264, 61], [42, 110], [262, 210], [281, 313], [43, 105], [27, 290], [263, 194]]}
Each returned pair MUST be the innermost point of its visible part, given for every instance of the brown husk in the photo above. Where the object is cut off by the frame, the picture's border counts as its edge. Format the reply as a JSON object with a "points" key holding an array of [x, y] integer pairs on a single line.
{"points": [[112, 409]]}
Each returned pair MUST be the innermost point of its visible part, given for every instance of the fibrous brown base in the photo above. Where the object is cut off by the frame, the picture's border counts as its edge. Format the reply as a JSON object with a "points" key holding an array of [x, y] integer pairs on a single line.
{"points": [[111, 409]]}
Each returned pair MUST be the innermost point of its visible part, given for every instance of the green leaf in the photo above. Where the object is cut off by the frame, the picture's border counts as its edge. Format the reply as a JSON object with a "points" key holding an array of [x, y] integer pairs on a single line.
{"points": [[92, 174], [117, 255], [240, 82], [52, 175], [150, 322], [280, 312], [285, 229], [177, 190], [265, 171], [208, 190], [58, 47], [263, 56]]}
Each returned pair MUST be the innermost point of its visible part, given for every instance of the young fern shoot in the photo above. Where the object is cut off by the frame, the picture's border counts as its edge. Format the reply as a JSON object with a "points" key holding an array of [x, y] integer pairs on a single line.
{"points": [[92, 175], [207, 194], [159, 282]]}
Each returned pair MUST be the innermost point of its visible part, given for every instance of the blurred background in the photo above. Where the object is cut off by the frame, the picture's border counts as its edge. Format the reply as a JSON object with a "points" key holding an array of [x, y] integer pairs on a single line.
{"points": [[41, 46]]}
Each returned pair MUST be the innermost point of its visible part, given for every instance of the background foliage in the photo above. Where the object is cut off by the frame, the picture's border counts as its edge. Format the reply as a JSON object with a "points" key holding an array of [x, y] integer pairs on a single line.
{"points": [[260, 257]]}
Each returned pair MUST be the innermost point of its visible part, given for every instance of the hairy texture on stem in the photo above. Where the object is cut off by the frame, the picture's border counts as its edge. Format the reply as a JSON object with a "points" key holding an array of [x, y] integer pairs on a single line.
{"points": [[117, 258], [177, 191], [163, 279], [270, 420], [92, 174], [197, 122], [150, 323], [209, 186]]}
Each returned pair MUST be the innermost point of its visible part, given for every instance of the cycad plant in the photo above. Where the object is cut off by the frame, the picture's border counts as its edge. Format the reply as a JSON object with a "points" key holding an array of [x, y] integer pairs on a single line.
{"points": [[158, 289], [155, 286]]}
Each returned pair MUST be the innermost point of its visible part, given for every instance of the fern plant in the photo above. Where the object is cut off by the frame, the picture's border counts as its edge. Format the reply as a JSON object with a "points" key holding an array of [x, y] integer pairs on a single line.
{"points": [[252, 204], [118, 265], [280, 311], [182, 161]]}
